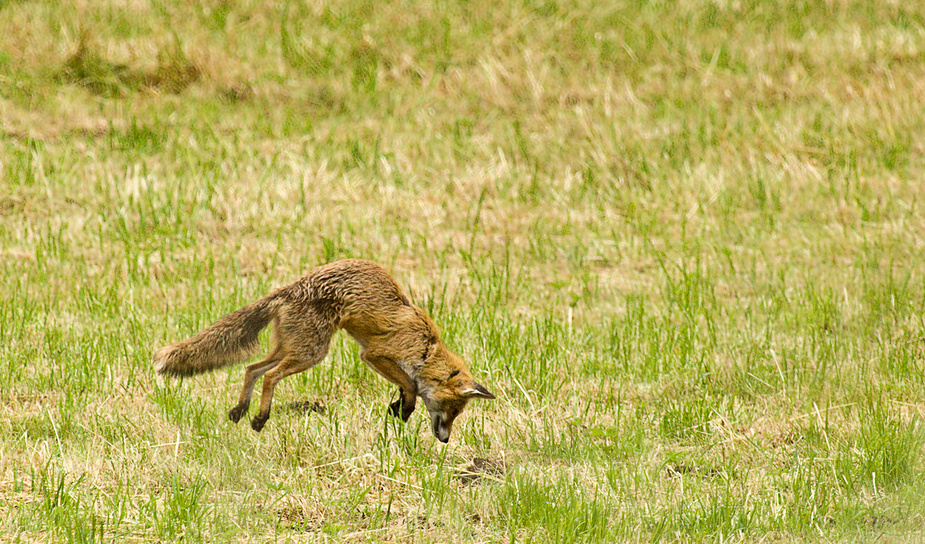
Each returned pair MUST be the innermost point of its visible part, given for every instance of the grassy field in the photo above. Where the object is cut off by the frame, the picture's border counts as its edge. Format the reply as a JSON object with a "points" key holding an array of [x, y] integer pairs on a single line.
{"points": [[681, 241]]}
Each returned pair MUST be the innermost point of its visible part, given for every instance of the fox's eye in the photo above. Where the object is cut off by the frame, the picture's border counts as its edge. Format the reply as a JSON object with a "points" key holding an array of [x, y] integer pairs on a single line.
{"points": [[452, 375]]}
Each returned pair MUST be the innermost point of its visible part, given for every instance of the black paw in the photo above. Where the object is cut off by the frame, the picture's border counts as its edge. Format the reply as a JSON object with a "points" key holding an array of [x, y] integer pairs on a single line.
{"points": [[259, 421], [395, 408], [400, 409], [238, 411]]}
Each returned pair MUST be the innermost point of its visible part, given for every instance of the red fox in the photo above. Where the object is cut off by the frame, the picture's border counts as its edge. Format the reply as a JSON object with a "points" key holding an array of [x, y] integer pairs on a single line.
{"points": [[398, 340]]}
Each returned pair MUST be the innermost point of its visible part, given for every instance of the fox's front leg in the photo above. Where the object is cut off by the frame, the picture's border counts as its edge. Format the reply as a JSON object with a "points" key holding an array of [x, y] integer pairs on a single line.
{"points": [[404, 406], [390, 370]]}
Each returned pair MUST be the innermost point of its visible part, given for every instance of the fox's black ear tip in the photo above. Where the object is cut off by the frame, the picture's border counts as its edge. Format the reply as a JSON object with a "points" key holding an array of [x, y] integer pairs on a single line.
{"points": [[478, 391], [486, 394]]}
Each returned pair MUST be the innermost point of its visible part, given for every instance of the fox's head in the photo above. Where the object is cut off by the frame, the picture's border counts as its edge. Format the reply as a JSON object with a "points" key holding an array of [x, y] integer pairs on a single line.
{"points": [[446, 386]]}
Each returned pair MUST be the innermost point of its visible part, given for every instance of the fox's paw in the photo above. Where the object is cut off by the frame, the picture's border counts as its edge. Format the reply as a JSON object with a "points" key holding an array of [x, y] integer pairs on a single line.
{"points": [[402, 410], [238, 411], [406, 412], [395, 408], [259, 421]]}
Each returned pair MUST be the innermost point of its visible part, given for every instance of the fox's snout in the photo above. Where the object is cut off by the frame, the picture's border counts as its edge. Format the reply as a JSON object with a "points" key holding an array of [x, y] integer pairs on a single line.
{"points": [[441, 428], [449, 398]]}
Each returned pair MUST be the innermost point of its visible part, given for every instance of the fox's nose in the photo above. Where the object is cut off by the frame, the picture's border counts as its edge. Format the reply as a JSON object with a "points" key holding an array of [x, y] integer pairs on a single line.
{"points": [[441, 431]]}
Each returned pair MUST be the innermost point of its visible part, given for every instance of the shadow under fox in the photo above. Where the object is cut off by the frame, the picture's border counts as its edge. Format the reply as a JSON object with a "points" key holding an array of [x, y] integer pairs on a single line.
{"points": [[397, 339]]}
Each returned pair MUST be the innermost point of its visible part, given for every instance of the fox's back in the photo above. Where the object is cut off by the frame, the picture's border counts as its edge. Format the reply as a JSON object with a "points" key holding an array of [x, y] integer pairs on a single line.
{"points": [[353, 282], [359, 295]]}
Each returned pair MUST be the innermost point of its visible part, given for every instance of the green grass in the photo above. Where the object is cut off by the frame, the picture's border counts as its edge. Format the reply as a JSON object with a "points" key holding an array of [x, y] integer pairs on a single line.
{"points": [[681, 241]]}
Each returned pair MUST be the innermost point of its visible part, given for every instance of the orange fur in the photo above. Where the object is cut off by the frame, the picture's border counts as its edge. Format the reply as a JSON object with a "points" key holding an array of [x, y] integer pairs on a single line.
{"points": [[397, 339]]}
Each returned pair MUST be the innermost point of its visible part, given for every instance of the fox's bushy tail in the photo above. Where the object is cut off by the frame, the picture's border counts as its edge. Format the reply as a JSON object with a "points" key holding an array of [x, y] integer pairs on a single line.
{"points": [[231, 339]]}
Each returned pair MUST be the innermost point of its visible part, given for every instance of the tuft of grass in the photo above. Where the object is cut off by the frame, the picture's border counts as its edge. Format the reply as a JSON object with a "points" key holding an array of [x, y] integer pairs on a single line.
{"points": [[883, 453], [173, 73], [86, 68], [554, 511]]}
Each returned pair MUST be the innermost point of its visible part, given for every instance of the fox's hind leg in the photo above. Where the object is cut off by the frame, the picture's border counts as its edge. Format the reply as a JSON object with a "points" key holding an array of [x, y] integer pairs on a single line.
{"points": [[252, 373], [303, 338], [287, 367]]}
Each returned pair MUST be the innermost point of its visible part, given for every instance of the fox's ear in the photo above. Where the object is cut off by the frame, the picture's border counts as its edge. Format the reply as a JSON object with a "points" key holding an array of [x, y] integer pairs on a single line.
{"points": [[474, 390]]}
